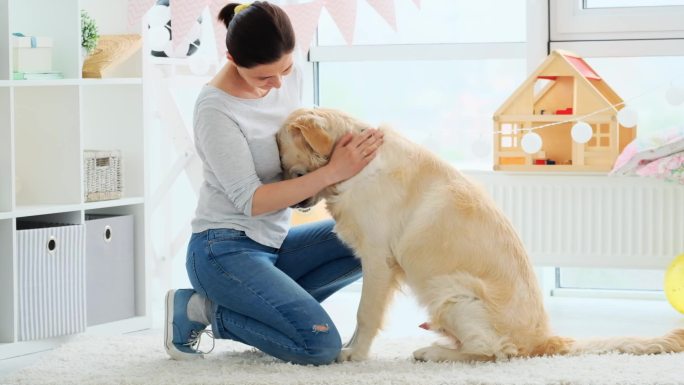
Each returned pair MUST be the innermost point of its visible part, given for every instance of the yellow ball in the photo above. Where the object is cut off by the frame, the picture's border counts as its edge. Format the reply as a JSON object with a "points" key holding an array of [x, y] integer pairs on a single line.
{"points": [[674, 283]]}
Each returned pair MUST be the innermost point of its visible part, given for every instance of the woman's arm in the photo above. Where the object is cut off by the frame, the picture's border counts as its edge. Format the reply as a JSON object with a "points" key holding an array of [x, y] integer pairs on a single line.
{"points": [[346, 161]]}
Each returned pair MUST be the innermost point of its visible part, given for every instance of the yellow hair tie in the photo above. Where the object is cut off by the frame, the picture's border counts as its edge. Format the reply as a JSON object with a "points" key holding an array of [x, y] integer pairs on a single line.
{"points": [[241, 8]]}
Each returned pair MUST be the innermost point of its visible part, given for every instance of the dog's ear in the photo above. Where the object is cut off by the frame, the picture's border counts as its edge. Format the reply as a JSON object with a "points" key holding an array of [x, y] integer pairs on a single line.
{"points": [[312, 129]]}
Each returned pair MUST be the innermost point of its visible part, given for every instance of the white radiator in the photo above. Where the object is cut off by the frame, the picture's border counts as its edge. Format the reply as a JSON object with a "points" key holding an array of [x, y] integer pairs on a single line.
{"points": [[591, 220]]}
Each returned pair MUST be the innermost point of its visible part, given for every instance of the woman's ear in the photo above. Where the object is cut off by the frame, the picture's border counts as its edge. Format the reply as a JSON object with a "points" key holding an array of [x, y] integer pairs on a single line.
{"points": [[312, 128]]}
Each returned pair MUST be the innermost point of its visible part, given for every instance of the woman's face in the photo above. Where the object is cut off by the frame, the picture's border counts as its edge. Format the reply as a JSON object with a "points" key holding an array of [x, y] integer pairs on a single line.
{"points": [[267, 76]]}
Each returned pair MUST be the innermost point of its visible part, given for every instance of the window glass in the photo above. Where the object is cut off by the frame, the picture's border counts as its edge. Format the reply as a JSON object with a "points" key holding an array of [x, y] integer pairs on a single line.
{"points": [[446, 106], [436, 21], [645, 93]]}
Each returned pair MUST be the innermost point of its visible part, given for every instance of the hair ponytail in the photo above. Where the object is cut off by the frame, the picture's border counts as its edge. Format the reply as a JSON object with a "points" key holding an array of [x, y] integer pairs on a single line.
{"points": [[226, 14]]}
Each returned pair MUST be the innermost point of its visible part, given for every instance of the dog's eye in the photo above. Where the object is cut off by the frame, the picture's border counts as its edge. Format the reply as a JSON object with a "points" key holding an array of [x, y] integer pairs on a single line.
{"points": [[297, 174]]}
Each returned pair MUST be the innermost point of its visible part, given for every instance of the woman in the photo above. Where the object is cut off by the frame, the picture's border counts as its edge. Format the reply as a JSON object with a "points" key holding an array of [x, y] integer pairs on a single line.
{"points": [[256, 280]]}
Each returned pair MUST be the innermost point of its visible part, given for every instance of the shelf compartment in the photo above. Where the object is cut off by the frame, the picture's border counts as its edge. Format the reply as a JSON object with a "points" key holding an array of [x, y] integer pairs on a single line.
{"points": [[59, 20], [112, 119], [6, 152], [47, 146], [111, 18], [5, 67], [7, 281]]}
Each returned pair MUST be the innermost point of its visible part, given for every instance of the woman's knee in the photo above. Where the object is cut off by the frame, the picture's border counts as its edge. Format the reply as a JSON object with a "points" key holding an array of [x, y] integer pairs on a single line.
{"points": [[319, 354]]}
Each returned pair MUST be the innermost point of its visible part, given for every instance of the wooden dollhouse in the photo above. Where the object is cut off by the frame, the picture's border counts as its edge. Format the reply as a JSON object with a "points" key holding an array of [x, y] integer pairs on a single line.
{"points": [[562, 90]]}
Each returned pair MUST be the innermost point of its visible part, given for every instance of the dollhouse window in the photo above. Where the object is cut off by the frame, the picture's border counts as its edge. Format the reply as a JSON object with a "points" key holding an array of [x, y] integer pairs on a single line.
{"points": [[601, 138], [510, 135]]}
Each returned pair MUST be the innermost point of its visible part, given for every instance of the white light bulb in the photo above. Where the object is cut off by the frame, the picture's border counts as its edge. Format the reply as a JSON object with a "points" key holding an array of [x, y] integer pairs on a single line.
{"points": [[158, 16], [628, 117], [158, 38], [531, 143], [581, 132], [675, 95]]}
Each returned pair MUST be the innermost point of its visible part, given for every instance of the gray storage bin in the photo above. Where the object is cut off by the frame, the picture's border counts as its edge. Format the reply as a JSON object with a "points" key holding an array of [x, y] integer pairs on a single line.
{"points": [[51, 279], [110, 271]]}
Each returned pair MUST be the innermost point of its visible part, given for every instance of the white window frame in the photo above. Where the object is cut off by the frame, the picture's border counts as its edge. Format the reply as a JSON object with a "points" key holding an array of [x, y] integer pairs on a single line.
{"points": [[570, 21], [613, 32]]}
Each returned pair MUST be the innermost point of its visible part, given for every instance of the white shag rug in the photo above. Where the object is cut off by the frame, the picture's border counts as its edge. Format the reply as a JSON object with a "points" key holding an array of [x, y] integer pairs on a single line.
{"points": [[140, 359]]}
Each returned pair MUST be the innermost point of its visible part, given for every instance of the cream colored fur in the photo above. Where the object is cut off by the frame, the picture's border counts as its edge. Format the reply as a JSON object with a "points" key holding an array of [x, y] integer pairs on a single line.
{"points": [[411, 218]]}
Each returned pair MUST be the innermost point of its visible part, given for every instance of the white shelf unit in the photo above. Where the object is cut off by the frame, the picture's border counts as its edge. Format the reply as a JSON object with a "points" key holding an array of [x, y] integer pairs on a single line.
{"points": [[45, 125]]}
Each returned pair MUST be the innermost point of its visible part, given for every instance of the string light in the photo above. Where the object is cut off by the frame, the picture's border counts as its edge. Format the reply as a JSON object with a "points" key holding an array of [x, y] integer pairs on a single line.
{"points": [[628, 117], [531, 143], [581, 132]]}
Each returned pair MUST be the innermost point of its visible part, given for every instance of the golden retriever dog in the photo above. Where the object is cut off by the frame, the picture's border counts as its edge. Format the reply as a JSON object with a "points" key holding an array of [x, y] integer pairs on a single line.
{"points": [[413, 219]]}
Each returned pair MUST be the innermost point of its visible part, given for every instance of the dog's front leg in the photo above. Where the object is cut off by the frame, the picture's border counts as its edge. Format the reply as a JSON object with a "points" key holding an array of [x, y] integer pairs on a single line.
{"points": [[379, 285]]}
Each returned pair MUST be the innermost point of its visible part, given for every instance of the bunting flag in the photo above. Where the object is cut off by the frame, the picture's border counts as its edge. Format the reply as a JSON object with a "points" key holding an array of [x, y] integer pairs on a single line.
{"points": [[184, 15], [343, 13], [304, 18], [386, 9], [136, 10], [215, 6]]}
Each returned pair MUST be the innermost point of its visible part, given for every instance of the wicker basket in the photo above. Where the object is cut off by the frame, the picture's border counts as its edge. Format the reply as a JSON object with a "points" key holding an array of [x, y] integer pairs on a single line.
{"points": [[102, 175]]}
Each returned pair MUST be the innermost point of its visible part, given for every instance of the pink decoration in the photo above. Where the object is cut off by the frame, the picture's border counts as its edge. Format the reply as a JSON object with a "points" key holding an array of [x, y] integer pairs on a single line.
{"points": [[417, 2], [304, 18], [215, 6], [184, 13], [136, 10], [386, 9], [343, 12]]}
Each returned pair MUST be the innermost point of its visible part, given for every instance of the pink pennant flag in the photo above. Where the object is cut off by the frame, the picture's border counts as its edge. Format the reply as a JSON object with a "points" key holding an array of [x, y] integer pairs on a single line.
{"points": [[136, 10], [417, 3], [215, 6], [386, 9], [304, 18], [343, 13], [184, 15]]}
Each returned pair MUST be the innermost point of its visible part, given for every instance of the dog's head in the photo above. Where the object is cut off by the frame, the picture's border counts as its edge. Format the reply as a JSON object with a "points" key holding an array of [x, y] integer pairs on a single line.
{"points": [[306, 141]]}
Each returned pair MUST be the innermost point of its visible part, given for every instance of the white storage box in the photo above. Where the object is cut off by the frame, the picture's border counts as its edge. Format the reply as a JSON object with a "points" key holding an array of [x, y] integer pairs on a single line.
{"points": [[51, 279], [31, 54], [110, 270], [102, 175]]}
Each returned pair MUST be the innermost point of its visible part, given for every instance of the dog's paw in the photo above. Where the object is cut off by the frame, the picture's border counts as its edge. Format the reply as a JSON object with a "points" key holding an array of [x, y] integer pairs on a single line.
{"points": [[430, 353], [349, 354]]}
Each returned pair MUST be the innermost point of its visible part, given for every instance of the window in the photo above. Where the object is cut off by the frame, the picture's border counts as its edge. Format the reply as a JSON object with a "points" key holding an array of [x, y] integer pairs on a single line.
{"points": [[437, 78], [445, 105], [637, 47], [435, 22], [623, 19]]}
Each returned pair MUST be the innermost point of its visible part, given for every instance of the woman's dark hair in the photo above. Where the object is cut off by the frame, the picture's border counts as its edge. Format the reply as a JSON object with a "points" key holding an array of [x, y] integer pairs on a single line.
{"points": [[260, 33]]}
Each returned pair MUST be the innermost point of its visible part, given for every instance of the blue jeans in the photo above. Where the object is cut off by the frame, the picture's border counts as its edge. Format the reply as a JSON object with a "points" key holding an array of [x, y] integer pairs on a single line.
{"points": [[270, 298]]}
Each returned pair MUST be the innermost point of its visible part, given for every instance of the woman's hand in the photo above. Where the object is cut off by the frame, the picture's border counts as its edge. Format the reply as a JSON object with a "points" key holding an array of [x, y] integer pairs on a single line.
{"points": [[353, 152]]}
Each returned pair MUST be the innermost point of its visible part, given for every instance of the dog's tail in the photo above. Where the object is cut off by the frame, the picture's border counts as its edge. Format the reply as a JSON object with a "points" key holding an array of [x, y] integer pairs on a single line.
{"points": [[672, 342]]}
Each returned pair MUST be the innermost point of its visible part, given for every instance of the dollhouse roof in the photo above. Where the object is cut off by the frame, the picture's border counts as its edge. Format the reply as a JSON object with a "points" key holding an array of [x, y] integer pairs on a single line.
{"points": [[563, 64]]}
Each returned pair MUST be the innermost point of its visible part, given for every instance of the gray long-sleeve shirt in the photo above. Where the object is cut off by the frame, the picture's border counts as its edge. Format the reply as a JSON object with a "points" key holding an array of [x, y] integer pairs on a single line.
{"points": [[235, 139]]}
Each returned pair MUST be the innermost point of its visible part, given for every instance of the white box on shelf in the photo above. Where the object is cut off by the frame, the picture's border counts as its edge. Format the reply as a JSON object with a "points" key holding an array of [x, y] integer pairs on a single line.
{"points": [[51, 279], [110, 268], [32, 54]]}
